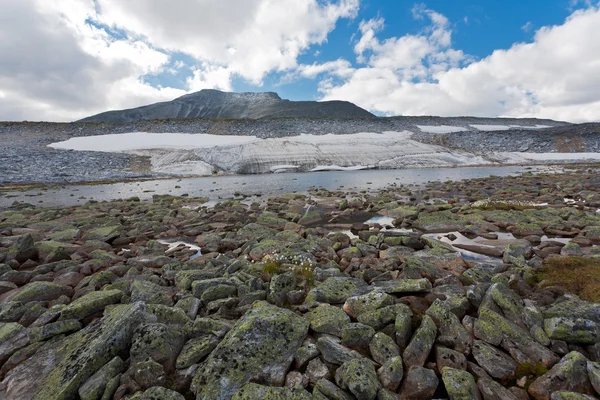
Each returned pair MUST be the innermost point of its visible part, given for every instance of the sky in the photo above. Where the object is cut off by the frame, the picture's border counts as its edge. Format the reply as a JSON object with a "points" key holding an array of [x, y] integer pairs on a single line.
{"points": [[63, 60]]}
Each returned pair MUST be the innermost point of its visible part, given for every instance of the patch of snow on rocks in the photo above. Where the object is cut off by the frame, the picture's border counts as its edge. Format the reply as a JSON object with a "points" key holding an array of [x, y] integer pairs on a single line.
{"points": [[123, 142], [440, 128]]}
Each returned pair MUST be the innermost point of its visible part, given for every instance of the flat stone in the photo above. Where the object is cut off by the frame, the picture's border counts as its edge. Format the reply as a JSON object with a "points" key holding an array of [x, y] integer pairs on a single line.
{"points": [[401, 286], [90, 304], [495, 362], [56, 328]]}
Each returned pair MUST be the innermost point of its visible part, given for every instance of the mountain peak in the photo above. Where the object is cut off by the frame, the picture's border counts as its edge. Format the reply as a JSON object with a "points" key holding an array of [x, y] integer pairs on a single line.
{"points": [[211, 103]]}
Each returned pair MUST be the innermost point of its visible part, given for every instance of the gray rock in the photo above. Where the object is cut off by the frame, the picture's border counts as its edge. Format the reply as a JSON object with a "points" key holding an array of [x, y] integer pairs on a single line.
{"points": [[420, 346], [330, 391], [195, 350], [160, 342], [593, 369], [253, 391], [391, 372], [491, 390], [420, 384], [334, 352], [570, 396], [359, 377], [95, 386], [328, 319], [403, 327], [572, 330], [317, 370], [459, 384], [497, 330], [372, 301], [402, 286], [357, 335], [570, 374], [160, 393], [498, 364], [56, 328], [445, 357], [261, 345], [383, 348], [450, 328], [57, 370]]}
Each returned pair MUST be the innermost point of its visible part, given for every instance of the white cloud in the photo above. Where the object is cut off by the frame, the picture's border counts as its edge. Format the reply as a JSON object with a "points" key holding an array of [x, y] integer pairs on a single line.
{"points": [[60, 62], [556, 76]]}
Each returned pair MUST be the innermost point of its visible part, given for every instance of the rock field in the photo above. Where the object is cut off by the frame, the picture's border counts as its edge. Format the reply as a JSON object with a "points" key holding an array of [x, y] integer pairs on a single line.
{"points": [[482, 289]]}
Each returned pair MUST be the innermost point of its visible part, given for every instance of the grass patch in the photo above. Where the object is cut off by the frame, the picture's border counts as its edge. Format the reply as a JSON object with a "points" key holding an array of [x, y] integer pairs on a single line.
{"points": [[577, 275]]}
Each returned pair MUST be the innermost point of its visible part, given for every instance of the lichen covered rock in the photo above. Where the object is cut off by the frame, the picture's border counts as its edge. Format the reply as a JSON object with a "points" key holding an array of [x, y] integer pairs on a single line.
{"points": [[261, 345]]}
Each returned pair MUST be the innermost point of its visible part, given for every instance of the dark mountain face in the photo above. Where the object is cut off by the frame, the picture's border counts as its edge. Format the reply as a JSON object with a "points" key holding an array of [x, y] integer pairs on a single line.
{"points": [[216, 104]]}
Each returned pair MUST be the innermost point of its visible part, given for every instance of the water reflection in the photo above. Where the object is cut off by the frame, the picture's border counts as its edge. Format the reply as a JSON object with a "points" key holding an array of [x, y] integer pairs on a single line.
{"points": [[222, 187]]}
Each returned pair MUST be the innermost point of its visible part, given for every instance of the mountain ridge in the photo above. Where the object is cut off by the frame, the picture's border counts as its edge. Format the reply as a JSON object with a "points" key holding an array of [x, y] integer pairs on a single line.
{"points": [[211, 104]]}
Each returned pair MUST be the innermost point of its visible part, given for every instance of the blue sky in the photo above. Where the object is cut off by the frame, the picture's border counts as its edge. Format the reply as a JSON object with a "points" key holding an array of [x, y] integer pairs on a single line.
{"points": [[71, 58], [479, 28]]}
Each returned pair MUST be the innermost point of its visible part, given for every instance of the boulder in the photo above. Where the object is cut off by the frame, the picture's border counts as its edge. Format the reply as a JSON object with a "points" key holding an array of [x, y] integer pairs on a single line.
{"points": [[419, 384], [570, 374], [94, 387], [90, 304], [420, 346], [372, 301], [460, 384], [328, 319], [253, 391], [58, 369], [359, 377], [261, 346]]}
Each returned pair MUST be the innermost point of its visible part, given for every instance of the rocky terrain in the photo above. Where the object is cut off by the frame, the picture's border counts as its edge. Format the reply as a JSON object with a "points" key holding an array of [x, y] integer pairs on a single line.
{"points": [[210, 103], [26, 157], [454, 290]]}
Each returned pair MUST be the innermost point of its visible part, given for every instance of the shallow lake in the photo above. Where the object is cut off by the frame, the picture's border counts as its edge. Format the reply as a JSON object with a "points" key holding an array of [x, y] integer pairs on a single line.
{"points": [[223, 187]]}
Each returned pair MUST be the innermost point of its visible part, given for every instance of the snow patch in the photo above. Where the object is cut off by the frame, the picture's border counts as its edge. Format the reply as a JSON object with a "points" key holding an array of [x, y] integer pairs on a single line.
{"points": [[123, 142], [441, 128]]}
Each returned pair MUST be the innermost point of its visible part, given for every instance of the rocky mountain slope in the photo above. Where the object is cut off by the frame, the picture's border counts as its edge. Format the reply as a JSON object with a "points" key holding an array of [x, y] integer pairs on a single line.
{"points": [[301, 297], [209, 103], [20, 143]]}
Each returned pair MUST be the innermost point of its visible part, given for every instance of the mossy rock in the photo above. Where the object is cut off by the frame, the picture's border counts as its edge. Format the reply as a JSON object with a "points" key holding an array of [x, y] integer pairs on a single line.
{"points": [[328, 319], [160, 393], [252, 391], [336, 290], [91, 303], [59, 368], [459, 384], [41, 291], [104, 234], [262, 344]]}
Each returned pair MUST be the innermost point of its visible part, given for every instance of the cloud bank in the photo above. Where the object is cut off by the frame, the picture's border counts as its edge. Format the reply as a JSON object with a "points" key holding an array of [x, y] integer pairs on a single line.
{"points": [[67, 59]]}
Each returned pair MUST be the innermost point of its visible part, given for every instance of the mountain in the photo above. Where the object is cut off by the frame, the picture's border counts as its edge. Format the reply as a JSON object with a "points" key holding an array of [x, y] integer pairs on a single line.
{"points": [[210, 103]]}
